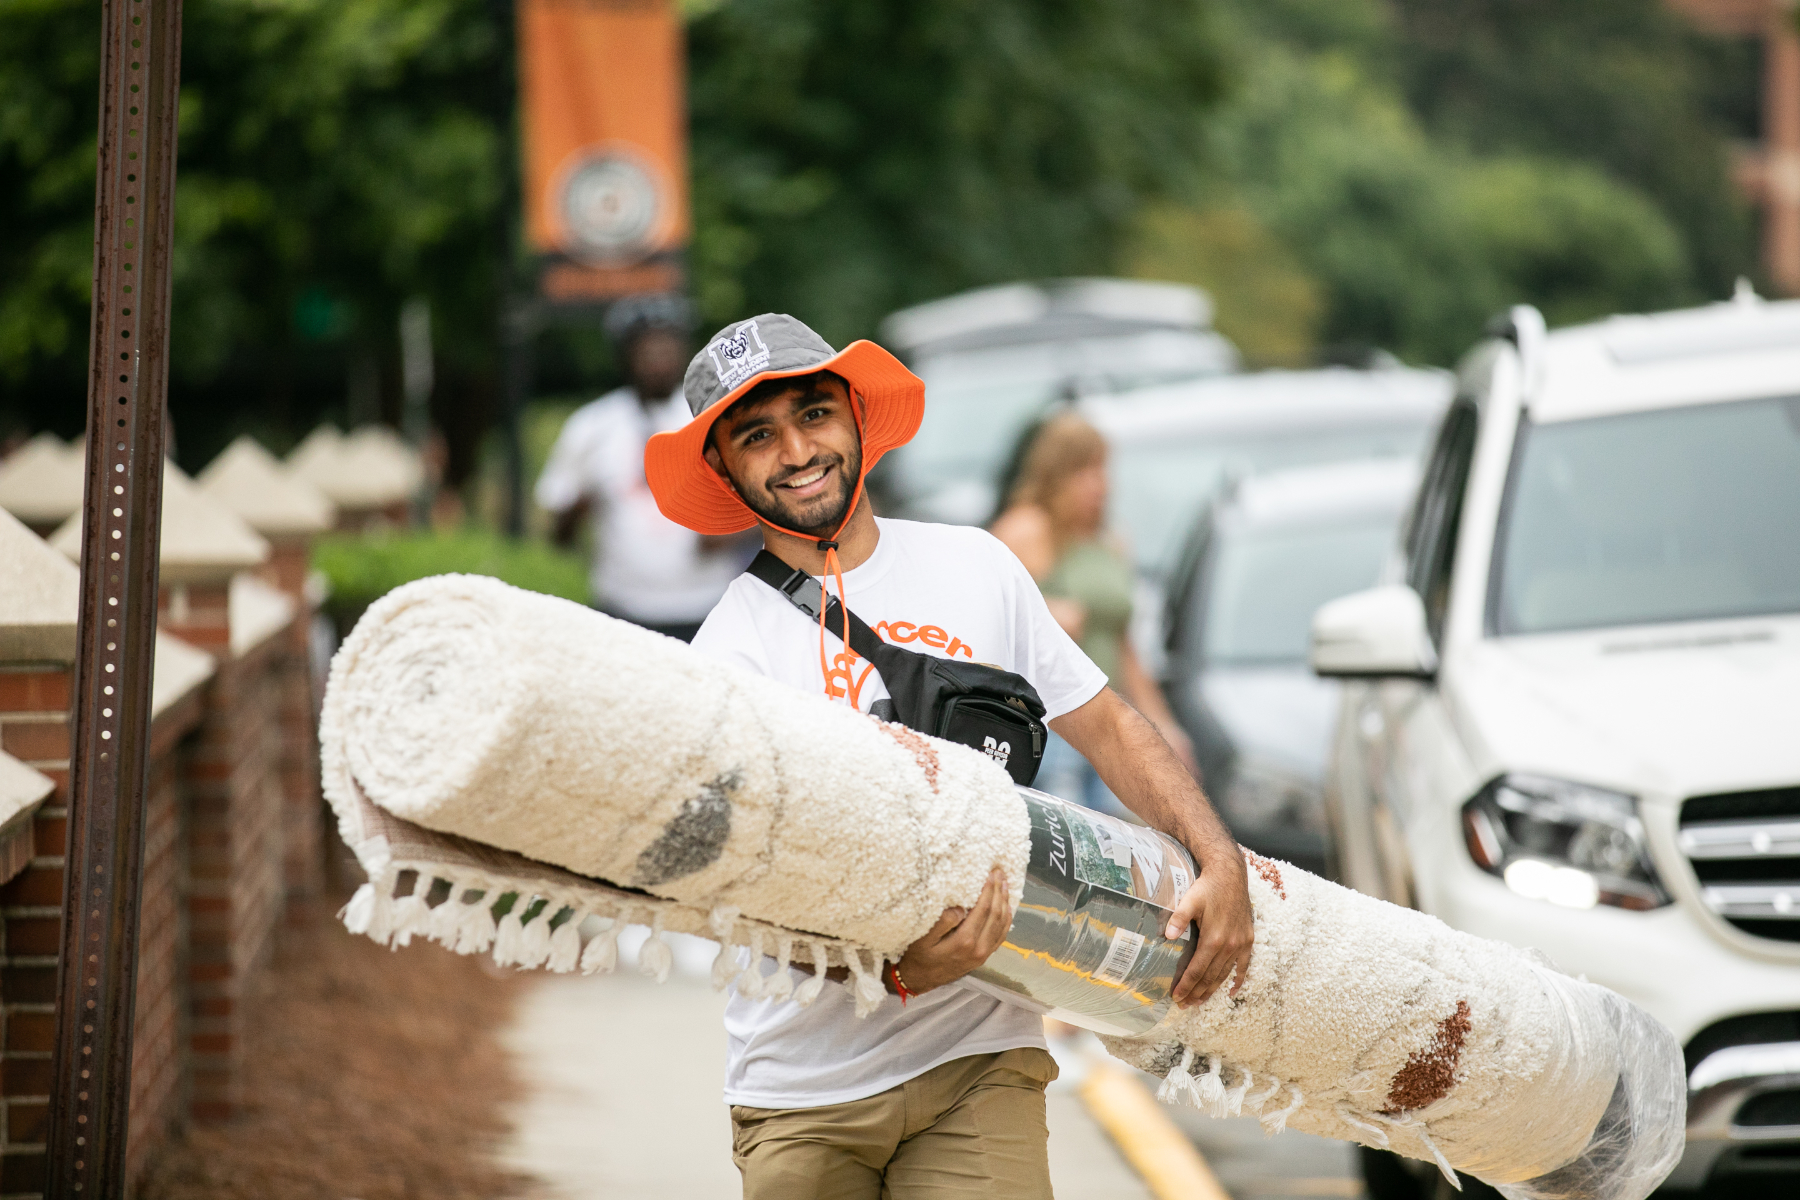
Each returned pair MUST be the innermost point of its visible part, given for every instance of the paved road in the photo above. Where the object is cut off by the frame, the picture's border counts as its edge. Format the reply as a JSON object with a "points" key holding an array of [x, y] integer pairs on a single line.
{"points": [[623, 1103], [1290, 1164]]}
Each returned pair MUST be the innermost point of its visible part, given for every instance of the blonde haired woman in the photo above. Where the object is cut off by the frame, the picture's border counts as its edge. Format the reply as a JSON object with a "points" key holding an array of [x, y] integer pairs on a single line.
{"points": [[1055, 520]]}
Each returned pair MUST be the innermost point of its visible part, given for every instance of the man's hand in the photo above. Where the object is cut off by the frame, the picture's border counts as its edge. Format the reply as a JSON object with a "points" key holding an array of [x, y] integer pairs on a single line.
{"points": [[1220, 901], [961, 940]]}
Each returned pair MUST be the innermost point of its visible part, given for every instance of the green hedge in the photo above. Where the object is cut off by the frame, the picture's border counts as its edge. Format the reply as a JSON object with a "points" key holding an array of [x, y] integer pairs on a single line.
{"points": [[363, 568]]}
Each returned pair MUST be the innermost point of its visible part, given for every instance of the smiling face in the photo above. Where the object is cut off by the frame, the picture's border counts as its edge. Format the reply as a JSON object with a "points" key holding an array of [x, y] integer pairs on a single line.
{"points": [[790, 450]]}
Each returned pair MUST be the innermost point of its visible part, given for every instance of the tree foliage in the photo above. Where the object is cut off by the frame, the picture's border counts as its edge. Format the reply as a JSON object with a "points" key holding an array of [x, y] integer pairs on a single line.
{"points": [[336, 157], [1416, 230], [852, 158], [1383, 172]]}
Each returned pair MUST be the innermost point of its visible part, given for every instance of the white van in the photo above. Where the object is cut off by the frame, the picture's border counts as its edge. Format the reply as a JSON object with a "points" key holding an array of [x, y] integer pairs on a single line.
{"points": [[1572, 718]]}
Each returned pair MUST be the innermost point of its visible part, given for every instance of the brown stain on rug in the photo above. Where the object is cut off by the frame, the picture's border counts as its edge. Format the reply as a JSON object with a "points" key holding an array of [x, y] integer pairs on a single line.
{"points": [[1429, 1074], [1267, 869], [923, 752], [369, 1072]]}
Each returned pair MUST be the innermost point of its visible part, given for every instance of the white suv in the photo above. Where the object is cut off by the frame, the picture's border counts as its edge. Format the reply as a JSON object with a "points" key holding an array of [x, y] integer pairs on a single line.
{"points": [[1573, 715]]}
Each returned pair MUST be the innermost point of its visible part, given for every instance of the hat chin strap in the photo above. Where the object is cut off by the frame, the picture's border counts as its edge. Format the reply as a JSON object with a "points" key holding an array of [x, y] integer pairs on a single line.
{"points": [[833, 567]]}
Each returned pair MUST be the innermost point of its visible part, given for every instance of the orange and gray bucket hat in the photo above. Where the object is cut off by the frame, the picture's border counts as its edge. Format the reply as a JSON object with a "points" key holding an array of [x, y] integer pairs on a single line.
{"points": [[736, 359]]}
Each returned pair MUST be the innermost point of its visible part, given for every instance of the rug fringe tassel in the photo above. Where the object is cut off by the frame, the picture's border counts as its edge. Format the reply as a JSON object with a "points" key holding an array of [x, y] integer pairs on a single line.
{"points": [[1179, 1079], [534, 939], [551, 938], [1411, 1123], [602, 953], [780, 985], [809, 990], [1234, 1098], [445, 918], [565, 944], [1373, 1130], [750, 983], [1273, 1123], [475, 926], [866, 988], [655, 958], [357, 914]]}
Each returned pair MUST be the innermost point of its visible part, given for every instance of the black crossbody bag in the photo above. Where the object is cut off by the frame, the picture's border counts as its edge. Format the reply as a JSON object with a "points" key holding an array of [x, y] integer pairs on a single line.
{"points": [[995, 711]]}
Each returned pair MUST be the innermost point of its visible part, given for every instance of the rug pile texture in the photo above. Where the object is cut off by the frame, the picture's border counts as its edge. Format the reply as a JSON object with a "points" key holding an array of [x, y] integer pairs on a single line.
{"points": [[521, 776]]}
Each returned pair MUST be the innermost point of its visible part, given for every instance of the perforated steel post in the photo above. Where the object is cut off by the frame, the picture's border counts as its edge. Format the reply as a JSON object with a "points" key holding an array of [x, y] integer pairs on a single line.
{"points": [[140, 61]]}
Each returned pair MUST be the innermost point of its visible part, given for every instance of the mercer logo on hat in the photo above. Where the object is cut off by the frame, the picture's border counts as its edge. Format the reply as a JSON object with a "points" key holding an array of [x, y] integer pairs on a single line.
{"points": [[738, 354]]}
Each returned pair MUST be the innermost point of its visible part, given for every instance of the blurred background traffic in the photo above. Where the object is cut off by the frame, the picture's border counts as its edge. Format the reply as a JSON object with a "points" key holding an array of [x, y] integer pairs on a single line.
{"points": [[1283, 340]]}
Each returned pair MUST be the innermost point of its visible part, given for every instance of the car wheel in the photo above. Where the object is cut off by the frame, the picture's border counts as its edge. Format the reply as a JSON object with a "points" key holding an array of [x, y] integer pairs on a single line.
{"points": [[1387, 1176], [1472, 1189]]}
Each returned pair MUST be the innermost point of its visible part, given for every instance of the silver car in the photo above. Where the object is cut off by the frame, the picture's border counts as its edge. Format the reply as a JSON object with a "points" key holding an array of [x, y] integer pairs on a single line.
{"points": [[1259, 562], [996, 359]]}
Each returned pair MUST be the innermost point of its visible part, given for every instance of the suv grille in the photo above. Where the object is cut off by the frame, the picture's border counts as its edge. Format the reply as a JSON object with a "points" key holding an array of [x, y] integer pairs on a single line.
{"points": [[1745, 849]]}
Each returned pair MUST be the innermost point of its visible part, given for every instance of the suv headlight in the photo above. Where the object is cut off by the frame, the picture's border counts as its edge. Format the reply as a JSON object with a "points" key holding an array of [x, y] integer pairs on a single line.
{"points": [[1567, 843]]}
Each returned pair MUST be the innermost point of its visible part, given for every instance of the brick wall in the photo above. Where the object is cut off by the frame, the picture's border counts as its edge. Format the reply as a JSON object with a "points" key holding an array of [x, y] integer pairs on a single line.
{"points": [[159, 1075], [37, 696], [303, 867], [34, 727], [233, 780]]}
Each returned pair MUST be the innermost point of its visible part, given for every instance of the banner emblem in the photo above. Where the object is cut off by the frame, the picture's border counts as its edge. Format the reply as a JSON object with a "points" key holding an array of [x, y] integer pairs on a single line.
{"points": [[611, 206]]}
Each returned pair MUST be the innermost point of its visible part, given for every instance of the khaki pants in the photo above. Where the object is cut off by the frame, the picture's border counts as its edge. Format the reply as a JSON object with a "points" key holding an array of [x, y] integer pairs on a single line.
{"points": [[971, 1127]]}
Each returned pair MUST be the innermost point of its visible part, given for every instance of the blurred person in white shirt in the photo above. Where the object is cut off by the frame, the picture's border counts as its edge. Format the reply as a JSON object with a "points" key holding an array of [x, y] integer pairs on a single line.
{"points": [[646, 569]]}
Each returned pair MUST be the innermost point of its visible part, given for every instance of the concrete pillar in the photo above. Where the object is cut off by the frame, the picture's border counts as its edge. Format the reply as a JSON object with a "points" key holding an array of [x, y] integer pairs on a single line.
{"points": [[371, 475], [289, 512], [42, 482]]}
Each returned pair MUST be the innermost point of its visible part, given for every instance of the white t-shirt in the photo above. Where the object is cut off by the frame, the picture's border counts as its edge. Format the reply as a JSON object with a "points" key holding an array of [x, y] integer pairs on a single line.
{"points": [[941, 589], [646, 567]]}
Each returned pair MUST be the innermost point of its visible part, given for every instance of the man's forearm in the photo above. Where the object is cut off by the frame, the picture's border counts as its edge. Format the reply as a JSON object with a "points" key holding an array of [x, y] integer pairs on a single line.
{"points": [[1137, 764]]}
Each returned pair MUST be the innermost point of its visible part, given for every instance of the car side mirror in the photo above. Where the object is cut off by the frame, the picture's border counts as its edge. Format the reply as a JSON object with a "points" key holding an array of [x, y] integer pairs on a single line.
{"points": [[1375, 634]]}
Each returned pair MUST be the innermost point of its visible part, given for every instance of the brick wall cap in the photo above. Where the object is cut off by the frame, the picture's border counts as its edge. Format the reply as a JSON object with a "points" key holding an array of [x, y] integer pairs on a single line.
{"points": [[42, 482], [202, 540], [258, 612], [21, 790], [371, 468], [40, 593], [179, 669], [272, 500]]}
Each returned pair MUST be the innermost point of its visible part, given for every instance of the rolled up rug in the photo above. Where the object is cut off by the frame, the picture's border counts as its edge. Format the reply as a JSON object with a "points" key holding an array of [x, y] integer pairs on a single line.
{"points": [[521, 776]]}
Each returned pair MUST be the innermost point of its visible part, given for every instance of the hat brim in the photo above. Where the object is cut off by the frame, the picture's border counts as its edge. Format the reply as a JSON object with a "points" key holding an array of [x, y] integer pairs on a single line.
{"points": [[690, 494]]}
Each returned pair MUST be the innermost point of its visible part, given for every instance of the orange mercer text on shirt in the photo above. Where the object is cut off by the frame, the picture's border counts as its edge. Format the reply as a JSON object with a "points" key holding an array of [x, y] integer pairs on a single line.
{"points": [[845, 679]]}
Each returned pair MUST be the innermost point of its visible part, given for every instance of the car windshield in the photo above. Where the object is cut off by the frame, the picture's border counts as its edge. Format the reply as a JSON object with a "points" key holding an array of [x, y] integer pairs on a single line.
{"points": [[1680, 514], [1263, 585], [1158, 488]]}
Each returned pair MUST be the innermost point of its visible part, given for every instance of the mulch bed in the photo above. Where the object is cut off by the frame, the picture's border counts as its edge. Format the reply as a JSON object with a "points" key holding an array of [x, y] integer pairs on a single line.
{"points": [[372, 1074]]}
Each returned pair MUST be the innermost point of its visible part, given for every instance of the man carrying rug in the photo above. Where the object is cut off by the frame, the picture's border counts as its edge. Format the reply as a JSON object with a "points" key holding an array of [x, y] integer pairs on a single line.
{"points": [[939, 1092]]}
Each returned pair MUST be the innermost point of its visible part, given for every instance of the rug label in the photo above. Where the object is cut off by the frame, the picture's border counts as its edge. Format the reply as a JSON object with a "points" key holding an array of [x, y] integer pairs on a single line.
{"points": [[1125, 858], [1121, 956]]}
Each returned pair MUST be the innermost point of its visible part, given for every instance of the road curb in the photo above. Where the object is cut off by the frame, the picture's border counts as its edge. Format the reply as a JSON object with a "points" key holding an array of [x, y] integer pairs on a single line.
{"points": [[1159, 1152]]}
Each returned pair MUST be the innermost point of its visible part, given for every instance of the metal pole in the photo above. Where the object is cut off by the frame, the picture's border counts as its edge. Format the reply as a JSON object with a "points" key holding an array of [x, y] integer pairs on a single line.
{"points": [[140, 64]]}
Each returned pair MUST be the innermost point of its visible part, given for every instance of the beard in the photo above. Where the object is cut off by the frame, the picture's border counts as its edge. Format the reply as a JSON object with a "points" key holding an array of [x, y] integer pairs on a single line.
{"points": [[819, 516]]}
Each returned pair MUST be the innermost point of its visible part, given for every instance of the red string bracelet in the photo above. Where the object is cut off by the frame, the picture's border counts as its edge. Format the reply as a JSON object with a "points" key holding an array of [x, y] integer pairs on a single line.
{"points": [[905, 993]]}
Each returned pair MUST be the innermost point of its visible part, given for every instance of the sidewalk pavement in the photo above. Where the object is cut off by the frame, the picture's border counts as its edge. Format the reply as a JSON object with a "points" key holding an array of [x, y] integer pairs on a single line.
{"points": [[623, 1079]]}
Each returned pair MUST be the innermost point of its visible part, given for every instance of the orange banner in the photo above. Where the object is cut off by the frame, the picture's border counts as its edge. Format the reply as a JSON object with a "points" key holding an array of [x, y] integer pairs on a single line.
{"points": [[605, 126]]}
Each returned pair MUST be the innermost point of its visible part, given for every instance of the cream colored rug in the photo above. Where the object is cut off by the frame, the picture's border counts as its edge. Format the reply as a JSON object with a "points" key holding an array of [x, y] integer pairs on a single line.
{"points": [[521, 776]]}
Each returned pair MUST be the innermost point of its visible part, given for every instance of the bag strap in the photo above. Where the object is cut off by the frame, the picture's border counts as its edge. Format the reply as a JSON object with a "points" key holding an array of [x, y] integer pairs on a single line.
{"points": [[806, 594]]}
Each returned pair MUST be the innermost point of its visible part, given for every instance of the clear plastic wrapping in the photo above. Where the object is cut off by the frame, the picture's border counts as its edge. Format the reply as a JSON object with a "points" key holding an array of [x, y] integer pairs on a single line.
{"points": [[1640, 1136], [1086, 944]]}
